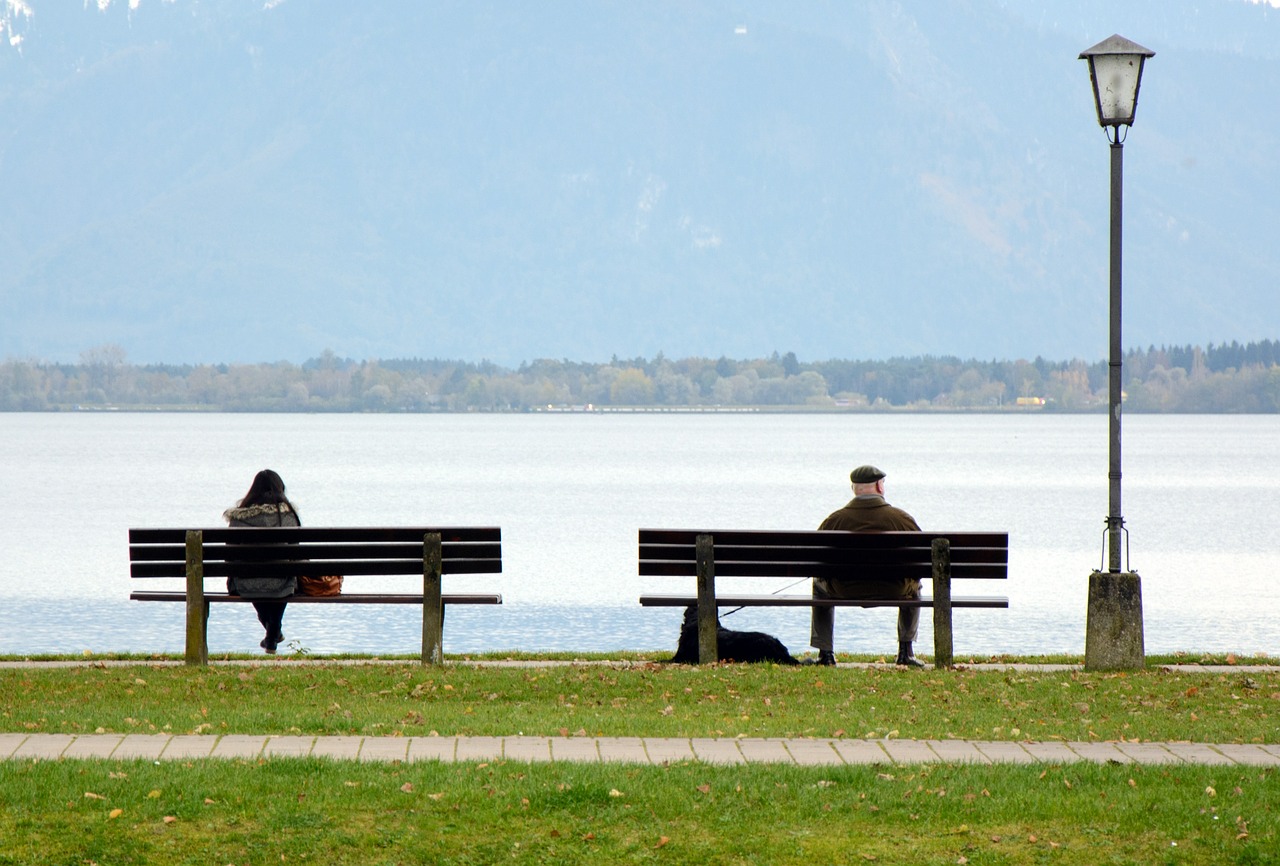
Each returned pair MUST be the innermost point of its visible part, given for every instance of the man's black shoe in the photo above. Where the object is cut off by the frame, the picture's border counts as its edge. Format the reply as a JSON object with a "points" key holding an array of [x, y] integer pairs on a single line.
{"points": [[825, 658], [905, 657]]}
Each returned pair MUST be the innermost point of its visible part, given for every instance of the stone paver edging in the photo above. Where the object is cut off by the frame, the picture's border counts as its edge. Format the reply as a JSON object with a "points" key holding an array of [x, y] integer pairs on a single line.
{"points": [[632, 750]]}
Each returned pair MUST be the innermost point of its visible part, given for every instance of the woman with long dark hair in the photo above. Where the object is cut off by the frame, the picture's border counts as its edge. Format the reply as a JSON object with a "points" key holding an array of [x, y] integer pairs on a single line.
{"points": [[265, 505]]}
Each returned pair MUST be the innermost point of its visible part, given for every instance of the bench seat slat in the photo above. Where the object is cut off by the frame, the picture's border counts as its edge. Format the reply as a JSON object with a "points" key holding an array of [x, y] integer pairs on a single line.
{"points": [[345, 597], [723, 600]]}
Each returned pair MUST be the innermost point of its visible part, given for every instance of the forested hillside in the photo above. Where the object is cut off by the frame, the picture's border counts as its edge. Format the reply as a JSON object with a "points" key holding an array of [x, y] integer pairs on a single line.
{"points": [[1226, 378]]}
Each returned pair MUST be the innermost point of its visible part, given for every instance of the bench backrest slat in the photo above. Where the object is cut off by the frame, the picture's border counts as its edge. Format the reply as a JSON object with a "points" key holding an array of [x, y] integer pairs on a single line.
{"points": [[811, 569], [325, 535], [814, 553], [828, 555], [831, 538], [315, 568], [276, 552], [261, 552]]}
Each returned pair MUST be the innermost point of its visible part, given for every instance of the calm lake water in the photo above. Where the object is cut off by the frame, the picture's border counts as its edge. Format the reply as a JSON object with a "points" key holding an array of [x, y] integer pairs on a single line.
{"points": [[1202, 498]]}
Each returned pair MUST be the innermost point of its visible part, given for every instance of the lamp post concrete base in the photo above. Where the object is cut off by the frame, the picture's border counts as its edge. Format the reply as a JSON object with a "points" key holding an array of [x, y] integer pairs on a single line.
{"points": [[1113, 630]]}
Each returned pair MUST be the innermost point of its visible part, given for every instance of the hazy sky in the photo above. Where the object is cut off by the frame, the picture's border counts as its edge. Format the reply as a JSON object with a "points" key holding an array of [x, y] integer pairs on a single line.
{"points": [[491, 179]]}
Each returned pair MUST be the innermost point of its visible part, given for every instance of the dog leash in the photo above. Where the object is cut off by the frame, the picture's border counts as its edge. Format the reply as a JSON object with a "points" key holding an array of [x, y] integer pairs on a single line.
{"points": [[775, 592]]}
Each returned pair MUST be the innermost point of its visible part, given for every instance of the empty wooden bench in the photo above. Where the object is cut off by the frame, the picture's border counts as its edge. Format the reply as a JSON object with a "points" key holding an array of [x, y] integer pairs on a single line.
{"points": [[196, 554], [937, 556]]}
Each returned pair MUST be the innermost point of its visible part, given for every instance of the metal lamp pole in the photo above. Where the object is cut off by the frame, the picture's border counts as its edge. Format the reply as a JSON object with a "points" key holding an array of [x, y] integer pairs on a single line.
{"points": [[1114, 637], [1115, 520]]}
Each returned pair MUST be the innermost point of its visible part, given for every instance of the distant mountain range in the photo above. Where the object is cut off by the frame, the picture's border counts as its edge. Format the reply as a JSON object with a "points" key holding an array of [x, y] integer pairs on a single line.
{"points": [[234, 180]]}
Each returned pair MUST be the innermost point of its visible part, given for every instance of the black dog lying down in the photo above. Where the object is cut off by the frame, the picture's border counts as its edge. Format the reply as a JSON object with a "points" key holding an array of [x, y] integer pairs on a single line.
{"points": [[731, 646]]}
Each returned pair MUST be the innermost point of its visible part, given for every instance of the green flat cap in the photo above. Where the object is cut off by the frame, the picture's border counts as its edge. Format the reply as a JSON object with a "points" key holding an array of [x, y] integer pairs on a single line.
{"points": [[865, 475]]}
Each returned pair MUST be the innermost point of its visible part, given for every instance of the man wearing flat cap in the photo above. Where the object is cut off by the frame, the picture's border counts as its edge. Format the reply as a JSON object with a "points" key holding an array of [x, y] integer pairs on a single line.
{"points": [[866, 512]]}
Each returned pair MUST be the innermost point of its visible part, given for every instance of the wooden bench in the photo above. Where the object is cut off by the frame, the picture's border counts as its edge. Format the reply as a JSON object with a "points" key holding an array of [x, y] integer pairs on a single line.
{"points": [[938, 556], [196, 554]]}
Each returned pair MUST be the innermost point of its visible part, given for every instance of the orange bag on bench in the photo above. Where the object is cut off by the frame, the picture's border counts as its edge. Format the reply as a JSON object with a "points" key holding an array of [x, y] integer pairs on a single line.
{"points": [[329, 584]]}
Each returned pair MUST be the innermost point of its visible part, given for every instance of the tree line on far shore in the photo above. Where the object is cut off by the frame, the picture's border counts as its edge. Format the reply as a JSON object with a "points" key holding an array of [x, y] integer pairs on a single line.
{"points": [[1225, 378]]}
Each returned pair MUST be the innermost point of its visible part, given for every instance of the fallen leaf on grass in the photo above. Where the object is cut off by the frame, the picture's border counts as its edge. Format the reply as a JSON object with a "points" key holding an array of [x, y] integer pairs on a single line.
{"points": [[662, 840], [614, 792], [407, 787], [706, 789], [89, 795], [169, 819], [115, 813]]}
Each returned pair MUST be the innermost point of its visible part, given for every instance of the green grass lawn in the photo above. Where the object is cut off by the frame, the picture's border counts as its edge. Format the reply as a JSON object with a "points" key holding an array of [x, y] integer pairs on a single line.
{"points": [[298, 811], [307, 810], [644, 699]]}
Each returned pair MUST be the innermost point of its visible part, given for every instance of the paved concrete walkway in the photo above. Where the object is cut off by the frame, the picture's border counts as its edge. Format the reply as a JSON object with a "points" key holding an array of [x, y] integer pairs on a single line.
{"points": [[633, 750]]}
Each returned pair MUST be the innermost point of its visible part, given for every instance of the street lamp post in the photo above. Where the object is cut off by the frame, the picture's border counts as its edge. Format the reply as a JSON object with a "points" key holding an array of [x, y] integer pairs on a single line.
{"points": [[1113, 633]]}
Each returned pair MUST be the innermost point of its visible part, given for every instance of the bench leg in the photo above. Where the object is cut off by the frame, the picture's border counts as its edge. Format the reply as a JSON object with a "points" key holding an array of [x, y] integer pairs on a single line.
{"points": [[708, 651], [432, 603], [942, 649], [197, 651]]}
